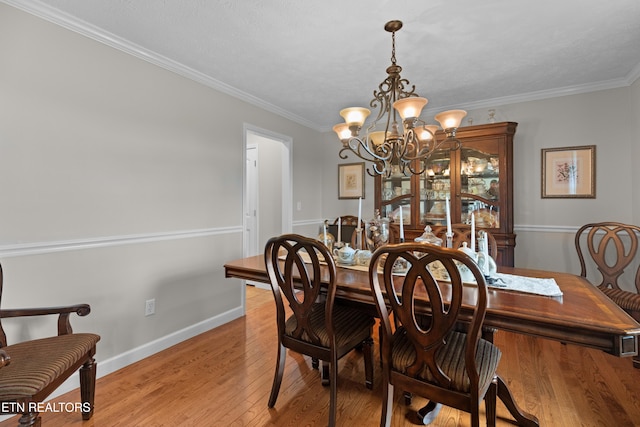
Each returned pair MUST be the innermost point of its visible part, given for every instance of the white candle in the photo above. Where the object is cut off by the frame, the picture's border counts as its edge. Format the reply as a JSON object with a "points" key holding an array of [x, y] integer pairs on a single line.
{"points": [[449, 233], [473, 232], [324, 229], [401, 226], [485, 245], [359, 211], [339, 229]]}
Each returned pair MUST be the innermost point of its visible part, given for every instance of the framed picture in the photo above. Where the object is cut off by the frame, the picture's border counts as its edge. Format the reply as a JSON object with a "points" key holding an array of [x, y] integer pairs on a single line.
{"points": [[569, 172], [351, 180]]}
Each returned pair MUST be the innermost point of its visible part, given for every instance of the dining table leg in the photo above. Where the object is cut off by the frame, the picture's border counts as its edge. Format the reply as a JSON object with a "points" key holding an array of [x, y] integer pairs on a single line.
{"points": [[429, 412]]}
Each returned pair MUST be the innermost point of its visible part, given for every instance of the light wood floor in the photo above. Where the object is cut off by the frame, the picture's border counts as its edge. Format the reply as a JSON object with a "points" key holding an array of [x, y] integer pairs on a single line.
{"points": [[223, 378]]}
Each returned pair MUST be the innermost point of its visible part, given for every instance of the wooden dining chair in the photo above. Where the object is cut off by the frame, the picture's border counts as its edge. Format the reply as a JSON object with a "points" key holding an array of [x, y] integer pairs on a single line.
{"points": [[349, 225], [302, 272], [612, 249], [462, 233], [427, 355], [31, 370]]}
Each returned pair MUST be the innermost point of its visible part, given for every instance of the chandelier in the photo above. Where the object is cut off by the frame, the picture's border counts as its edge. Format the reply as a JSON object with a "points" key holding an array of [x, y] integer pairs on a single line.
{"points": [[397, 136]]}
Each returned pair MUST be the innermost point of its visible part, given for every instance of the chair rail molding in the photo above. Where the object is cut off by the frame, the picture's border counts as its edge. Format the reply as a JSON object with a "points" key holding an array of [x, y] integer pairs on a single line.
{"points": [[546, 228], [36, 248]]}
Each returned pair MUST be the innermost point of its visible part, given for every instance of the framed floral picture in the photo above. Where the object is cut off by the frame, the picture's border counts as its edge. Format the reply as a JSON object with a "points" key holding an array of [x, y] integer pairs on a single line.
{"points": [[351, 180], [569, 172]]}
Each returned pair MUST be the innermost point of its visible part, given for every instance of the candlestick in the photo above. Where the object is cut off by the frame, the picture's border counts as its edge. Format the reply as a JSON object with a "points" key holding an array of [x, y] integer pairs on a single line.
{"points": [[359, 211], [473, 232], [401, 226], [340, 230], [448, 216], [449, 240]]}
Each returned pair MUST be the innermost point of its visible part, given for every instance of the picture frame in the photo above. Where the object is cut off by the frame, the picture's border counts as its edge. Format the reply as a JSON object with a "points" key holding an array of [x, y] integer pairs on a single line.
{"points": [[351, 180], [569, 172]]}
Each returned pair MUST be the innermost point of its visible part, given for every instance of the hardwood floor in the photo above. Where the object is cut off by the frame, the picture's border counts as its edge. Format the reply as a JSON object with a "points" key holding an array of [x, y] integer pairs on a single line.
{"points": [[223, 378]]}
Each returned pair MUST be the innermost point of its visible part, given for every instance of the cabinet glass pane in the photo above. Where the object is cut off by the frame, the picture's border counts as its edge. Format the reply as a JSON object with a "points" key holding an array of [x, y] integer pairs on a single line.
{"points": [[396, 192], [480, 187], [435, 186]]}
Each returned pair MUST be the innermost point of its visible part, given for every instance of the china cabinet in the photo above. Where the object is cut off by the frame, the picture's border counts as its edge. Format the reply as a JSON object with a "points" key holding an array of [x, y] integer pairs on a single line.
{"points": [[476, 179]]}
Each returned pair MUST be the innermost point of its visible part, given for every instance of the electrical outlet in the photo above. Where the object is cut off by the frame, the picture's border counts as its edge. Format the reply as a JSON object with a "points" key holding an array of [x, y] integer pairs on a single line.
{"points": [[150, 307]]}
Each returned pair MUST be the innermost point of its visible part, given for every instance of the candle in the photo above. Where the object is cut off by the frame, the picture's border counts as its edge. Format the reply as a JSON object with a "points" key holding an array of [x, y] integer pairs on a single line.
{"points": [[449, 233], [324, 230], [485, 245], [359, 211], [339, 229], [401, 226], [473, 232]]}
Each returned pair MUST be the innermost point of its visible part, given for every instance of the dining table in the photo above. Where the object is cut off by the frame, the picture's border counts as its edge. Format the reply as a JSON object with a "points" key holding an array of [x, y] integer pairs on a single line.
{"points": [[580, 314]]}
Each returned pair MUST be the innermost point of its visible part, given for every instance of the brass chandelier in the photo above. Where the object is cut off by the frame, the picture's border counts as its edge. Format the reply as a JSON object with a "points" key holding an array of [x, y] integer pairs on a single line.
{"points": [[399, 142]]}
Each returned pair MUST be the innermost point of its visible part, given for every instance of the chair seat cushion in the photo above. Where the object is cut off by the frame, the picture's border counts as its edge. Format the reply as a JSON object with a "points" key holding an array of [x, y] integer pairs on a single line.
{"points": [[450, 358], [625, 299], [35, 364], [348, 323]]}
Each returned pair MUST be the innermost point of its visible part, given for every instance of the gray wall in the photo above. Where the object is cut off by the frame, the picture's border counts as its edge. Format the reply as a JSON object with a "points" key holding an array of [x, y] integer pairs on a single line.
{"points": [[122, 181]]}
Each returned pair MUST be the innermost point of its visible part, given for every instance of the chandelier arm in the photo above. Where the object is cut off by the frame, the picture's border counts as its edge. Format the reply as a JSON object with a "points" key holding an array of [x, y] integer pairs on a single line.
{"points": [[362, 149]]}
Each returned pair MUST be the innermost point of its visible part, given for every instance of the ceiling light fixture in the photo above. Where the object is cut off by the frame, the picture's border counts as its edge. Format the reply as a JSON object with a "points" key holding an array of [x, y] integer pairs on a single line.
{"points": [[400, 142]]}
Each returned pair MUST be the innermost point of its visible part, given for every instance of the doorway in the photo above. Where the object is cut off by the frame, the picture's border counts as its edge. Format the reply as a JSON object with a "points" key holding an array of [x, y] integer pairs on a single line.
{"points": [[267, 189]]}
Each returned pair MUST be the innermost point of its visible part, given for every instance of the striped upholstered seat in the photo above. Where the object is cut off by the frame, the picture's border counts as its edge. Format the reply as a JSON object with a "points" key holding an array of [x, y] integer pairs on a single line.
{"points": [[347, 323], [450, 358], [628, 301], [38, 363], [31, 370], [424, 352]]}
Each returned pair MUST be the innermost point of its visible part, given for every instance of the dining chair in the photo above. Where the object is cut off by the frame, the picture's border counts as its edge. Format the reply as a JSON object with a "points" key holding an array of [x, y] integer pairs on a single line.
{"points": [[612, 248], [31, 370], [462, 233], [349, 225], [302, 272], [428, 355]]}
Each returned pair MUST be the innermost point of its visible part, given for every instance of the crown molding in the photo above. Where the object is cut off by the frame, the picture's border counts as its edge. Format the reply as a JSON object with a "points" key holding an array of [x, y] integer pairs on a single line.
{"points": [[69, 22], [74, 24], [543, 94]]}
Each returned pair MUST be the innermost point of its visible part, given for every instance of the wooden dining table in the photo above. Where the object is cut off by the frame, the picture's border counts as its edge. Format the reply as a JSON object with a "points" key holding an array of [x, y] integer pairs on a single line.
{"points": [[582, 316]]}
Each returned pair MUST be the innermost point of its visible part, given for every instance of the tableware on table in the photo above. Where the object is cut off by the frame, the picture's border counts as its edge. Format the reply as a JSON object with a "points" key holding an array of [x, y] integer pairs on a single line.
{"points": [[345, 255], [362, 257], [487, 264]]}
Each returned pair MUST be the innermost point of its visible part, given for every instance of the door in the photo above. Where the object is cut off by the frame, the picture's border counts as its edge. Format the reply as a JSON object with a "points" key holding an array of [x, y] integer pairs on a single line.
{"points": [[251, 212]]}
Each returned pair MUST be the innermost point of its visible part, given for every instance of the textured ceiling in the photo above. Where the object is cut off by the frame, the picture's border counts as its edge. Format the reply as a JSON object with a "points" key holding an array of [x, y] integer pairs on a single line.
{"points": [[307, 60]]}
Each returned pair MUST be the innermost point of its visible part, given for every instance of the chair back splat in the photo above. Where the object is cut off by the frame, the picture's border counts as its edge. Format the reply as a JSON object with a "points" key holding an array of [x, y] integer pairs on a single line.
{"points": [[302, 274], [424, 351]]}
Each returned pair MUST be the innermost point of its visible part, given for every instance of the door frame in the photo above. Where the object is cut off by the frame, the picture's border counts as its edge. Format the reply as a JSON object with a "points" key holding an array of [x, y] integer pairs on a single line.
{"points": [[287, 178]]}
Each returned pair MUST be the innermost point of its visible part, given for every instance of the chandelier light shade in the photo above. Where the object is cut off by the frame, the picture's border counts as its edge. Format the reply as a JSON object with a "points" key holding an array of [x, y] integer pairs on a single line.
{"points": [[397, 136]]}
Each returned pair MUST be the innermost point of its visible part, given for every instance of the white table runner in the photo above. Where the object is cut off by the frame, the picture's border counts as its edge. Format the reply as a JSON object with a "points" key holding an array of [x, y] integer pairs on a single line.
{"points": [[531, 285], [511, 282]]}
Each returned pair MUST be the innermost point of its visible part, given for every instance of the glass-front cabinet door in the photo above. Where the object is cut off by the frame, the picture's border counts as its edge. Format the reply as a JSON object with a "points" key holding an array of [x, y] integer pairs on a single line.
{"points": [[480, 186], [435, 188], [397, 190]]}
